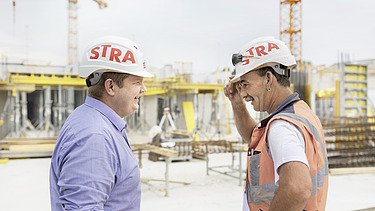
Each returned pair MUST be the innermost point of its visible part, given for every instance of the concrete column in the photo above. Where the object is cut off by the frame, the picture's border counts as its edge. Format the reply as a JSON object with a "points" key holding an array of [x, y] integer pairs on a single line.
{"points": [[70, 101], [59, 107], [17, 113], [47, 109], [23, 104]]}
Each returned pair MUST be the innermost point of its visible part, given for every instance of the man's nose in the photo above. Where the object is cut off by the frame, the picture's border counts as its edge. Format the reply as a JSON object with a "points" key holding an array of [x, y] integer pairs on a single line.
{"points": [[143, 88]]}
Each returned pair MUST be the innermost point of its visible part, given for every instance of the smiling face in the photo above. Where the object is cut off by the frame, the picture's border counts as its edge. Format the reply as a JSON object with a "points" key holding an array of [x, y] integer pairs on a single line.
{"points": [[253, 88], [126, 99]]}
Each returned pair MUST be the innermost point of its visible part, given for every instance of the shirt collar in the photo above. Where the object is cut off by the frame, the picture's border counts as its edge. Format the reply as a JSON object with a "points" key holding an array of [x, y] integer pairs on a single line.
{"points": [[287, 102], [111, 115]]}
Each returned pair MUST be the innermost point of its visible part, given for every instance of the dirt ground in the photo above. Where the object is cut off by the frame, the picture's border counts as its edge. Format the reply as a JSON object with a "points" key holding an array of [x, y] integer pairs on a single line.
{"points": [[24, 185]]}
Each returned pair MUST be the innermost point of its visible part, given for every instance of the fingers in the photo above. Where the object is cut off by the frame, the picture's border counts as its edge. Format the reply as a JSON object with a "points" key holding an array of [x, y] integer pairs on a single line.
{"points": [[237, 87], [229, 90]]}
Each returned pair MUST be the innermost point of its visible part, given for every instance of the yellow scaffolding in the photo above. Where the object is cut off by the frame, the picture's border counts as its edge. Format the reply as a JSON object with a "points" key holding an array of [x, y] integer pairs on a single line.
{"points": [[326, 93], [155, 86], [46, 79]]}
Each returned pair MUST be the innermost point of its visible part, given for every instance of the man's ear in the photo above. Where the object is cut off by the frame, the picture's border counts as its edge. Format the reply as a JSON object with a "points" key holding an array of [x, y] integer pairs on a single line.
{"points": [[269, 77], [109, 87]]}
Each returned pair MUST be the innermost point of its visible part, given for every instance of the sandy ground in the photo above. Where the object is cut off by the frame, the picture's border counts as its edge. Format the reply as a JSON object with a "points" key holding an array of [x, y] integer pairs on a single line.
{"points": [[24, 186]]}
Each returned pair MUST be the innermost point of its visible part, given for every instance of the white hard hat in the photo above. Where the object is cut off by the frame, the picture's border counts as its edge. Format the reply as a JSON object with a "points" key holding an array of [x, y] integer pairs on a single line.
{"points": [[113, 54], [262, 52]]}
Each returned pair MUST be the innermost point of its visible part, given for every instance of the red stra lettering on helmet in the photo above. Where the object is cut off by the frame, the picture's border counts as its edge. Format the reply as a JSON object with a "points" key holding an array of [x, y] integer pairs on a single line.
{"points": [[95, 53], [129, 56], [260, 50], [104, 53], [115, 53], [251, 51], [272, 46], [246, 61]]}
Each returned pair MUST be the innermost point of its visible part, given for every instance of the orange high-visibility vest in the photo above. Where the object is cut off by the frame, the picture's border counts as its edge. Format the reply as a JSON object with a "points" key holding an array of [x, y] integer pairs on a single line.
{"points": [[260, 180]]}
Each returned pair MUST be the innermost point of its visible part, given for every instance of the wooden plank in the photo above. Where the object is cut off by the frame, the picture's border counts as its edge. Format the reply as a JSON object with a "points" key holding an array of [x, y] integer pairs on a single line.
{"points": [[359, 170], [32, 147], [147, 180], [181, 133], [10, 154], [155, 149], [21, 141], [136, 147], [163, 151], [28, 138], [240, 147]]}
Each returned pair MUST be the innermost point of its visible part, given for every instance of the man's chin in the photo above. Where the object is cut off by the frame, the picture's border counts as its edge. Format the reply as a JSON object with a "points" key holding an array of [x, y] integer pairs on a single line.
{"points": [[135, 108], [132, 111]]}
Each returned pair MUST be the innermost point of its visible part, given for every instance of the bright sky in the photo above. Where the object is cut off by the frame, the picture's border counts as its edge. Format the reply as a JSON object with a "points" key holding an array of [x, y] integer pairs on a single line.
{"points": [[205, 32]]}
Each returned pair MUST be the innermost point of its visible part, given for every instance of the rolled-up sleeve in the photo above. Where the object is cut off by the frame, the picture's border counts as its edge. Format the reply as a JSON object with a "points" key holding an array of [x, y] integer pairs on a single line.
{"points": [[87, 174]]}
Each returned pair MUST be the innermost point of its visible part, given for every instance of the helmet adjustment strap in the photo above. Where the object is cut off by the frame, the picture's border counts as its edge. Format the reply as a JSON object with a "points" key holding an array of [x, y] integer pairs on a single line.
{"points": [[93, 78], [281, 69]]}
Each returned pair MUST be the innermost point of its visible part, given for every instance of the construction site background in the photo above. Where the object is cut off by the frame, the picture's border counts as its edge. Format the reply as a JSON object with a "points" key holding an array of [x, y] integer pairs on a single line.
{"points": [[184, 116]]}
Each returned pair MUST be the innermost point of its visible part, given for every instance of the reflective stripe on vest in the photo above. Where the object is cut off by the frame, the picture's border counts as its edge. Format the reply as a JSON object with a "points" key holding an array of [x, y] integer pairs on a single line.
{"points": [[267, 192], [317, 179], [313, 131]]}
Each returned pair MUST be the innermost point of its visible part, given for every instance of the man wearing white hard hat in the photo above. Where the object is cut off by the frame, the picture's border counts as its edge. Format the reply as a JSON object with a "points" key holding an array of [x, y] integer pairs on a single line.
{"points": [[93, 167], [287, 167]]}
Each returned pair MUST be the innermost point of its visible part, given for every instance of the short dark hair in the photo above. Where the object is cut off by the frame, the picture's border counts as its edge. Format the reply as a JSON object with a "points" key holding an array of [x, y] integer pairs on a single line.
{"points": [[281, 79], [97, 90]]}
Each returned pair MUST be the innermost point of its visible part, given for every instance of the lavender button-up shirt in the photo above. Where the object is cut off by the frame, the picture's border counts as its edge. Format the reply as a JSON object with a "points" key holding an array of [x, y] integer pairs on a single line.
{"points": [[92, 166]]}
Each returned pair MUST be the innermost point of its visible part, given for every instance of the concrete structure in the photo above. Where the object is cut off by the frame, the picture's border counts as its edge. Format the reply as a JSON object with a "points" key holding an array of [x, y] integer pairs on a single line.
{"points": [[36, 99]]}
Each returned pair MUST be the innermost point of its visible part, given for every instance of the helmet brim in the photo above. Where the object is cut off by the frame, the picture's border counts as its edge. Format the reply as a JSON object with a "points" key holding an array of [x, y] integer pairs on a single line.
{"points": [[139, 72]]}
